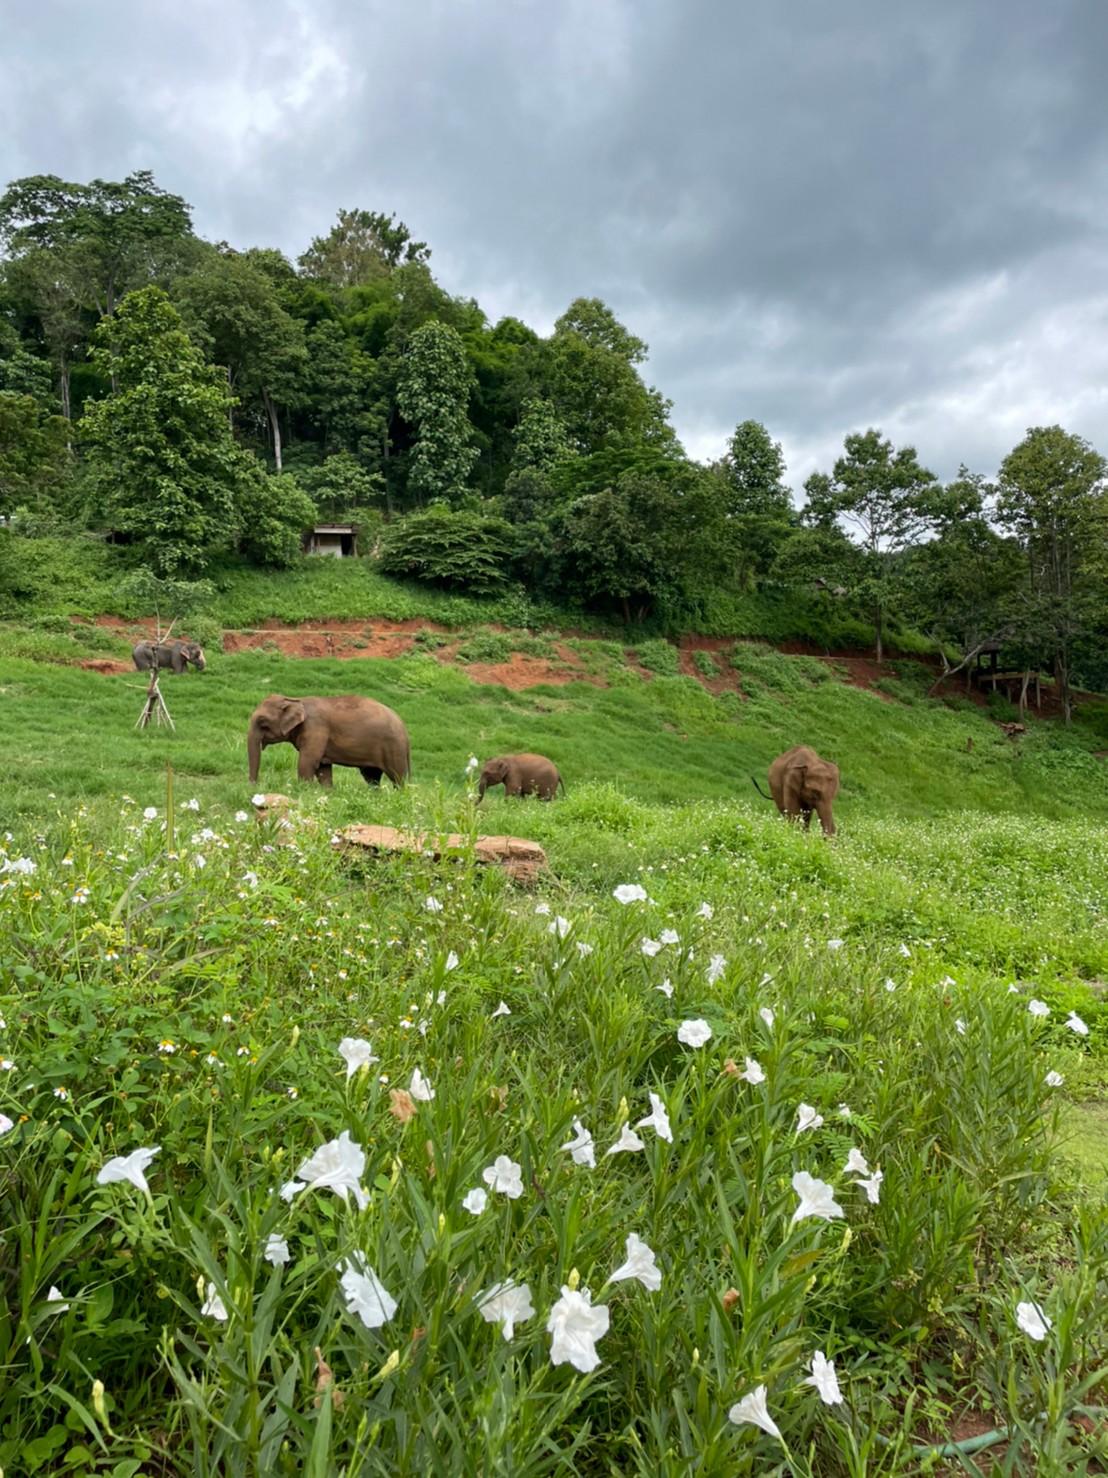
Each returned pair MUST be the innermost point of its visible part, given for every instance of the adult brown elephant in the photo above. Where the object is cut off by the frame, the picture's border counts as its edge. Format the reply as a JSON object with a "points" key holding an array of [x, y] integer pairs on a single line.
{"points": [[521, 774], [175, 654], [800, 783], [332, 731]]}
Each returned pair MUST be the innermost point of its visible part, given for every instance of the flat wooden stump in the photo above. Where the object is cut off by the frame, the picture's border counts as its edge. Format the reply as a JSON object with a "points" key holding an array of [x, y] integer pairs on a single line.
{"points": [[520, 859]]}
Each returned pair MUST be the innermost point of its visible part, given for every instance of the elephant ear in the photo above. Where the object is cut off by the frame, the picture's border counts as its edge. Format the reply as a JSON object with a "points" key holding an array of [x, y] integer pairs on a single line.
{"points": [[289, 717]]}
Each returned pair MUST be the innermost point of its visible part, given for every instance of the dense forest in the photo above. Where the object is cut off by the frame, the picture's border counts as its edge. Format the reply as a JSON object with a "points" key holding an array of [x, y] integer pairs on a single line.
{"points": [[197, 402]]}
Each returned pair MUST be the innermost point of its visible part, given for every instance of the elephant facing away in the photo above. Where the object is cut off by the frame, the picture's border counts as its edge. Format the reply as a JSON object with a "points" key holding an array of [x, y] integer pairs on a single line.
{"points": [[175, 654], [521, 774], [800, 783], [332, 731]]}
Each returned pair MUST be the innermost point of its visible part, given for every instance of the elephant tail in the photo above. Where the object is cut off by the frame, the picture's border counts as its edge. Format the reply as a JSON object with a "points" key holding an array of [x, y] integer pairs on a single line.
{"points": [[561, 785], [759, 789]]}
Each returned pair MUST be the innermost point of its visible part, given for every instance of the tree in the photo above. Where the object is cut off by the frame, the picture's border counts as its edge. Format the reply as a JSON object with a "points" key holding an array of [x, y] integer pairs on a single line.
{"points": [[1052, 496], [887, 498], [361, 245], [461, 548], [114, 235], [271, 514], [340, 387], [756, 501], [340, 487], [33, 452], [433, 395], [233, 309], [587, 371], [160, 444]]}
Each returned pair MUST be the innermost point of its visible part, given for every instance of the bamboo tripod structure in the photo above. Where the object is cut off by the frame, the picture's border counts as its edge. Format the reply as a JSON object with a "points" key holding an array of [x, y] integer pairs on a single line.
{"points": [[154, 708]]}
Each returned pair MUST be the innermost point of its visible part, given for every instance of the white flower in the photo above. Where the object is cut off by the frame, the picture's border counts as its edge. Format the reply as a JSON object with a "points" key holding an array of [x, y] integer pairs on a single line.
{"points": [[890, 985], [824, 1379], [855, 1163], [583, 949], [558, 926], [432, 905], [835, 943], [960, 1027], [277, 1250], [1052, 1080], [1075, 1024], [705, 911], [150, 813], [666, 987], [640, 1264], [670, 936], [576, 1326], [257, 800], [581, 1147], [56, 1296], [193, 805], [716, 966], [628, 1140], [752, 1408], [451, 963], [356, 1053], [817, 1198], [1032, 1320], [472, 764], [239, 816], [694, 1033], [872, 1186], [6, 1124], [365, 1294], [1038, 1008], [767, 1015], [475, 1201], [807, 1118], [508, 1303], [650, 947], [905, 951], [502, 1010], [627, 893], [657, 1119], [505, 1176], [753, 1072], [214, 1307], [128, 1167], [23, 865], [337, 1166], [421, 1089], [542, 908]]}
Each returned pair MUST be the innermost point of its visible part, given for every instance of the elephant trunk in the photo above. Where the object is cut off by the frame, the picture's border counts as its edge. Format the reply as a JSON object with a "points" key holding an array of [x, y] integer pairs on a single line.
{"points": [[200, 664], [254, 750], [826, 820]]}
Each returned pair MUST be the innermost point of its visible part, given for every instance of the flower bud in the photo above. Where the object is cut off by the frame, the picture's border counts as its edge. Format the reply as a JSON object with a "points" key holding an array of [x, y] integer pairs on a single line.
{"points": [[97, 1403], [573, 1280]]}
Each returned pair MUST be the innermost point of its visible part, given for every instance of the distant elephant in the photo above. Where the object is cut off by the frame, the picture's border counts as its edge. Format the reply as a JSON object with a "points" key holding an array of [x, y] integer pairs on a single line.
{"points": [[800, 783], [521, 774], [175, 654], [332, 731]]}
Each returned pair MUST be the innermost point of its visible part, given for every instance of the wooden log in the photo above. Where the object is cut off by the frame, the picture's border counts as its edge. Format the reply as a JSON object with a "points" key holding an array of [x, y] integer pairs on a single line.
{"points": [[521, 859]]}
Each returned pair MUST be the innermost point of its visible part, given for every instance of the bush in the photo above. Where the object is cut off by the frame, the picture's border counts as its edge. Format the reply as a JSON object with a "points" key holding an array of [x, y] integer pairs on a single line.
{"points": [[660, 657], [706, 664], [460, 549]]}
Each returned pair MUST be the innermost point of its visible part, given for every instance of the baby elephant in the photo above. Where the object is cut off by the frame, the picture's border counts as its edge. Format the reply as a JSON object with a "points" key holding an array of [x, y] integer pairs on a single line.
{"points": [[521, 774], [175, 654], [800, 783]]}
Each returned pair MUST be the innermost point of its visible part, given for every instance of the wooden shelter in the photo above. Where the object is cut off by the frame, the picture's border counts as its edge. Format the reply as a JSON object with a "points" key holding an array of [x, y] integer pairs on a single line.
{"points": [[340, 540]]}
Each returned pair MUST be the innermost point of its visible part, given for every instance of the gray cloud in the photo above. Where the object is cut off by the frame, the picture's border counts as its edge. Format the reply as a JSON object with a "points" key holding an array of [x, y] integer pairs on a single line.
{"points": [[824, 217]]}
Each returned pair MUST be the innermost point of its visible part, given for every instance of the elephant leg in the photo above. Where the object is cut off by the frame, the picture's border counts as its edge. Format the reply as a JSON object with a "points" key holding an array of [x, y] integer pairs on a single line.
{"points": [[807, 813], [371, 774], [323, 775]]}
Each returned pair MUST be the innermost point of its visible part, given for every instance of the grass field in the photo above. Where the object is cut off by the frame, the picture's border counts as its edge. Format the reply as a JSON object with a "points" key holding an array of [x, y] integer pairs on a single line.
{"points": [[733, 1004]]}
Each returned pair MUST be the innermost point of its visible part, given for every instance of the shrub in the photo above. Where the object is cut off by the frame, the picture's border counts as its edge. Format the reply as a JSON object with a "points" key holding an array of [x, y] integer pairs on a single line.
{"points": [[706, 664], [461, 549], [660, 657]]}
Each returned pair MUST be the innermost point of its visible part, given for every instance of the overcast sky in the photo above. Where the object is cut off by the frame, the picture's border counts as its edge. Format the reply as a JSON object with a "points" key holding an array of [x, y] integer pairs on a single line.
{"points": [[822, 216]]}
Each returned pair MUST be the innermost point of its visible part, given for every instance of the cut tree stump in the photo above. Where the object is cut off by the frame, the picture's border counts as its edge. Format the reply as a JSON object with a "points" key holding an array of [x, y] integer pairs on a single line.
{"points": [[521, 860]]}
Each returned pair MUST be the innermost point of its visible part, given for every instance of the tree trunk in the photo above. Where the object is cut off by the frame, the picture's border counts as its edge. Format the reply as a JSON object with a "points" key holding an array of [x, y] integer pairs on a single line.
{"points": [[880, 634], [274, 426], [1023, 694], [1062, 678]]}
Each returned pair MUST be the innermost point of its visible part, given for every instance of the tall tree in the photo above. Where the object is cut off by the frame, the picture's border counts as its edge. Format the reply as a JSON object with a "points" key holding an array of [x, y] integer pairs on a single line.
{"points": [[433, 396], [1052, 496], [756, 501], [233, 309], [116, 234], [361, 245], [887, 499], [160, 445], [33, 452]]}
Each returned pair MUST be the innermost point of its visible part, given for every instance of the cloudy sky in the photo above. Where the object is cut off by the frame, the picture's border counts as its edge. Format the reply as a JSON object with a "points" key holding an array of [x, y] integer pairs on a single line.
{"points": [[823, 216]]}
